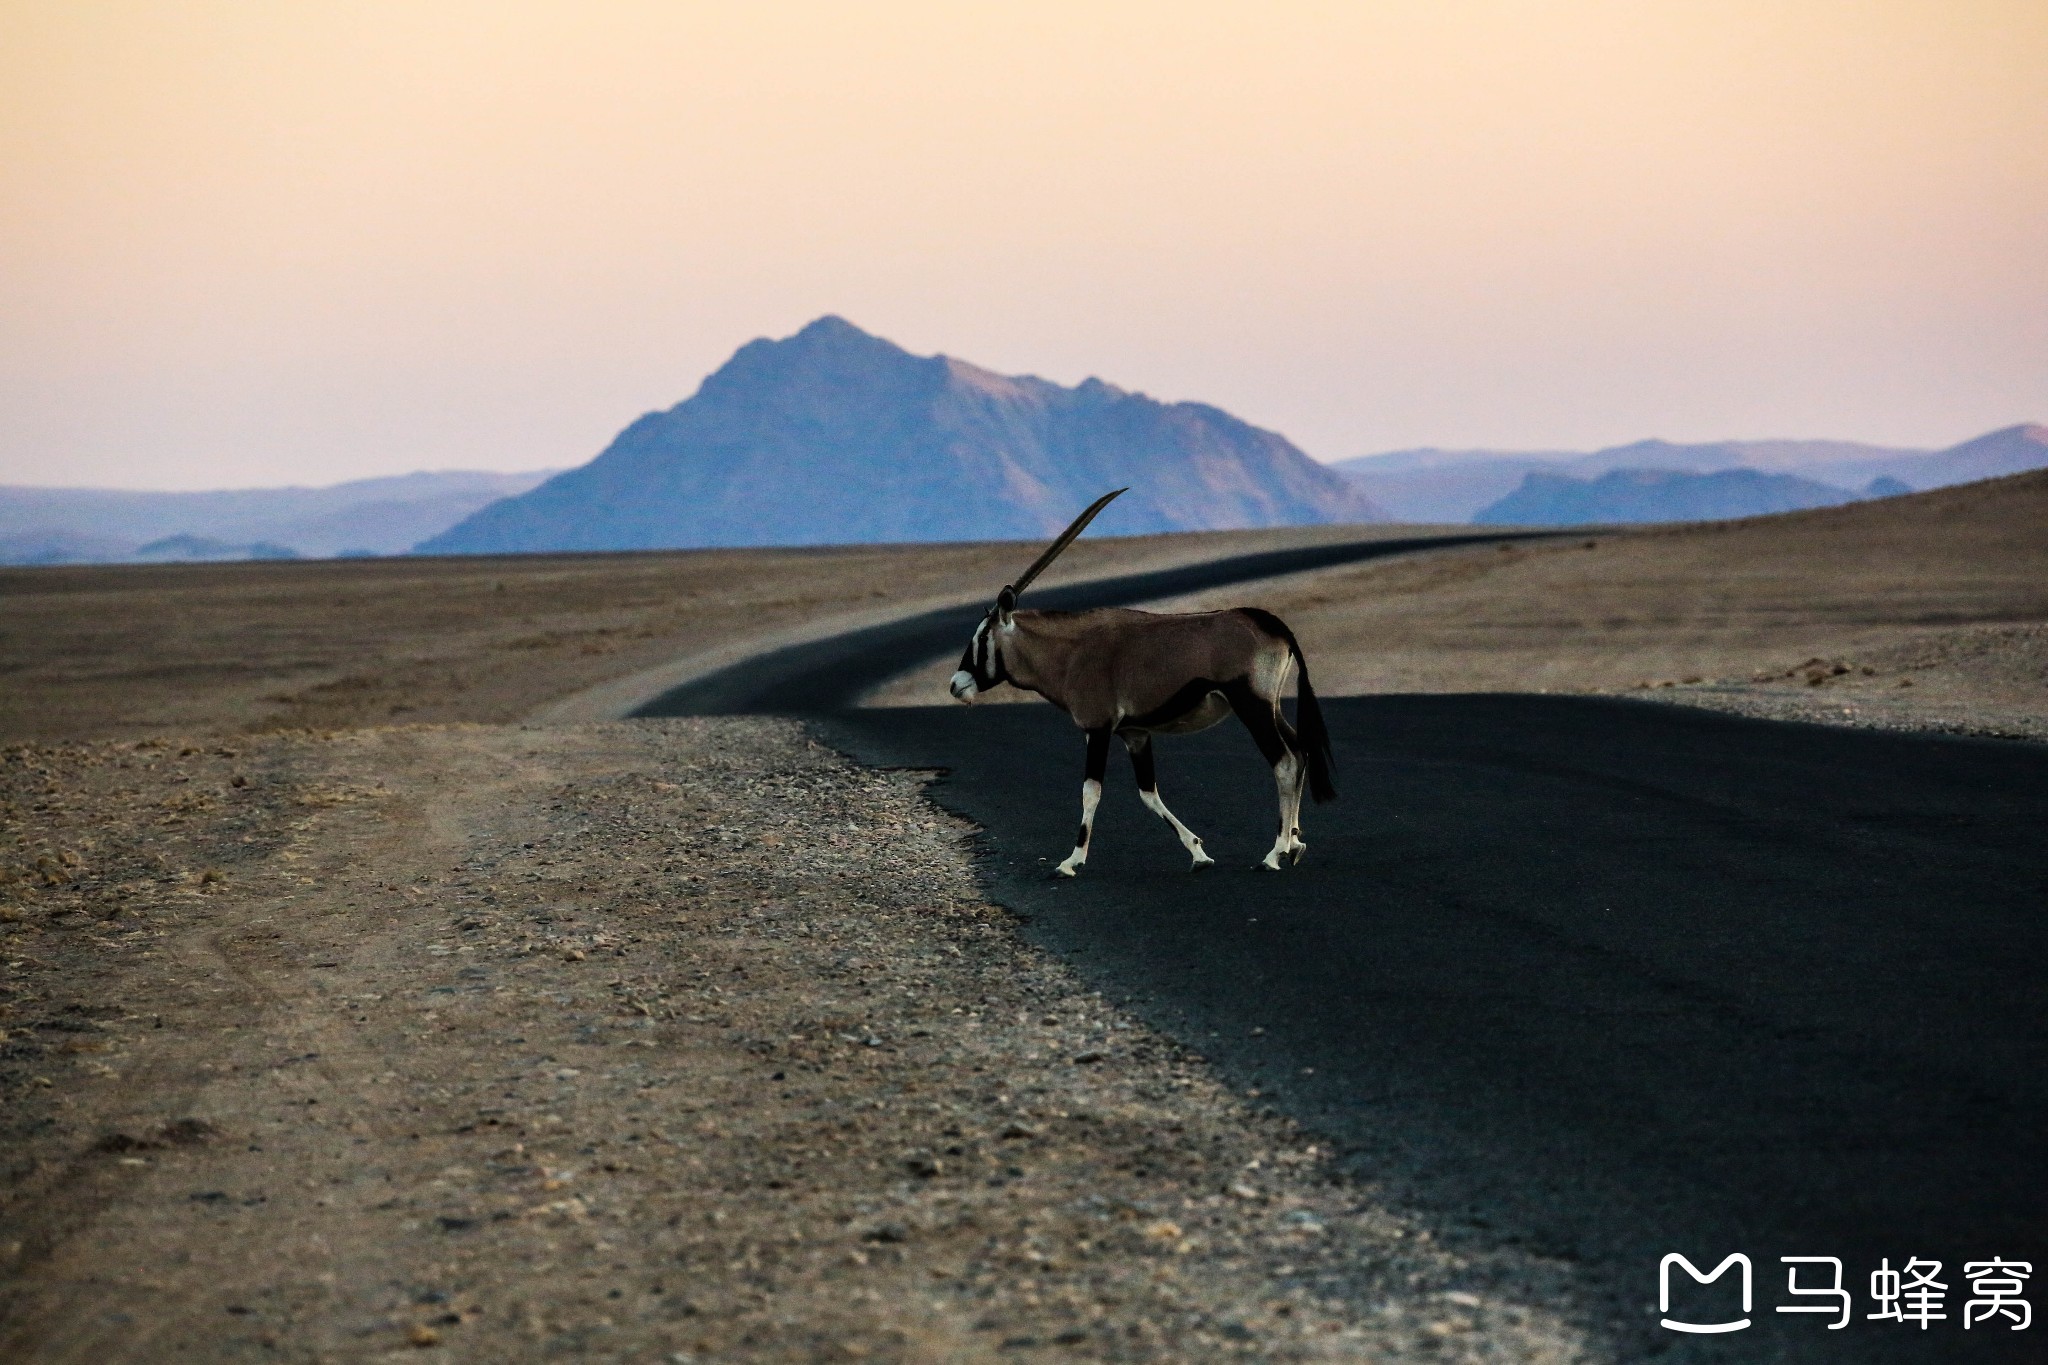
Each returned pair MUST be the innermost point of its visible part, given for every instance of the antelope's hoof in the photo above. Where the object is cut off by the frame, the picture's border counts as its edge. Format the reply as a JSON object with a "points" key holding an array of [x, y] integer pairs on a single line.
{"points": [[1203, 864], [1271, 863], [1294, 854], [1063, 871]]}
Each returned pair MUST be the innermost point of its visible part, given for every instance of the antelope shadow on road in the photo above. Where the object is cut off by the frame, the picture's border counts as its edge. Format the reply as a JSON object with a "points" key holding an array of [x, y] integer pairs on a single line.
{"points": [[1613, 979]]}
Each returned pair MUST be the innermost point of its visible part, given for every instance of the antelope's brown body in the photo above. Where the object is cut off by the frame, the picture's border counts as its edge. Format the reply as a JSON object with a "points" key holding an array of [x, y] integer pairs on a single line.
{"points": [[1122, 668], [1131, 675]]}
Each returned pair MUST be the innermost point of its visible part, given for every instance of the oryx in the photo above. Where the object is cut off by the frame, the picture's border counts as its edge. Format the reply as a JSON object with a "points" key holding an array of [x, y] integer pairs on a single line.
{"points": [[1134, 674]]}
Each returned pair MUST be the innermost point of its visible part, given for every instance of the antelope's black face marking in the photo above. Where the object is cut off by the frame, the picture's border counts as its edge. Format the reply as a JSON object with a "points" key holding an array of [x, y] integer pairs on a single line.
{"points": [[981, 667]]}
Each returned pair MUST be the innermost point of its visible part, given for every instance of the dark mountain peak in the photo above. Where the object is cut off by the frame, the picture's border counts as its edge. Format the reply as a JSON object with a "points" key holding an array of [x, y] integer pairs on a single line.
{"points": [[837, 435], [827, 338], [832, 339], [831, 327], [829, 355]]}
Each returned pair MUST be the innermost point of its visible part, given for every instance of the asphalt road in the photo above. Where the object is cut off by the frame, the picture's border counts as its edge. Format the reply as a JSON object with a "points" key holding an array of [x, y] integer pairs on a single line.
{"points": [[1606, 979], [832, 674]]}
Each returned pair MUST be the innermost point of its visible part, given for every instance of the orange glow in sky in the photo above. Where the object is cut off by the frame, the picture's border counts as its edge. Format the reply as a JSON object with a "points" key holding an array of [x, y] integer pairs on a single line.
{"points": [[272, 242]]}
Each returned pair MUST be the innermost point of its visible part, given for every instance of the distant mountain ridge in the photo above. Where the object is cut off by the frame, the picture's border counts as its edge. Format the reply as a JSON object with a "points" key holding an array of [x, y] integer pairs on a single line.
{"points": [[184, 549], [837, 436], [1431, 484], [379, 516], [1639, 495]]}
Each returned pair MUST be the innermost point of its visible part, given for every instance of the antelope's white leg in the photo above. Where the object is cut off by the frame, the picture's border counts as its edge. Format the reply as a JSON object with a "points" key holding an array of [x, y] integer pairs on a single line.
{"points": [[1091, 796], [1290, 797], [1269, 730], [1189, 840], [1296, 847], [1287, 783], [1140, 745]]}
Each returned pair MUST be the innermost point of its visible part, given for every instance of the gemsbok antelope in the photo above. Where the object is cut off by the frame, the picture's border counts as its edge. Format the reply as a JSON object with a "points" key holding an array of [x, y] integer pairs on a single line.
{"points": [[1136, 674]]}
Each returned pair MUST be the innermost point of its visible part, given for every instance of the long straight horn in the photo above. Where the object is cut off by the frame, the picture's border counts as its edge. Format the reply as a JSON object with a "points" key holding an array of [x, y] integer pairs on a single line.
{"points": [[1052, 551]]}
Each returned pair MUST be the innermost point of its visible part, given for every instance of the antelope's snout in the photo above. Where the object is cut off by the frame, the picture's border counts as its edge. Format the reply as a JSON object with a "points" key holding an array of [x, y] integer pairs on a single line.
{"points": [[964, 686]]}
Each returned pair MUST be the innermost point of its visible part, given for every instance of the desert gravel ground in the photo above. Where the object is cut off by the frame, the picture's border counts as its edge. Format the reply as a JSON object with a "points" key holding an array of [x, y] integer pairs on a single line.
{"points": [[663, 1041], [131, 651], [347, 1015]]}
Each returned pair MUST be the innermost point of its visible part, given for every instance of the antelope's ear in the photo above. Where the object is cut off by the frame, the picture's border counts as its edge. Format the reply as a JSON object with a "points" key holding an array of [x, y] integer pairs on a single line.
{"points": [[1006, 603]]}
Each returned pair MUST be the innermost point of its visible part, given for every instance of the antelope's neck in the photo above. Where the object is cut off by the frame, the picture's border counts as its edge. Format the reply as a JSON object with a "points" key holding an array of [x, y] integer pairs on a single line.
{"points": [[1030, 652]]}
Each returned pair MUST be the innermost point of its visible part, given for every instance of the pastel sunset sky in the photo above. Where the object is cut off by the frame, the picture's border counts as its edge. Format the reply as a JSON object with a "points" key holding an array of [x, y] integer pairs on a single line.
{"points": [[275, 242]]}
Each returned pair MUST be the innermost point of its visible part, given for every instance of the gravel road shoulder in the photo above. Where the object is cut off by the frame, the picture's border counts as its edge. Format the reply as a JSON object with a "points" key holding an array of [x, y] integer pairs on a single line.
{"points": [[678, 1041], [1990, 681]]}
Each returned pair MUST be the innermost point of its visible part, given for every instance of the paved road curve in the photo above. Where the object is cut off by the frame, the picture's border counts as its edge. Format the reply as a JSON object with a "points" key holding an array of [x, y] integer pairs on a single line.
{"points": [[1611, 979], [833, 674]]}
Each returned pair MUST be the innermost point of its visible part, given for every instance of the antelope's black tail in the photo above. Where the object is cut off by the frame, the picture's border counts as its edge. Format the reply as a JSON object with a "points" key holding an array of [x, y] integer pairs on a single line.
{"points": [[1308, 715]]}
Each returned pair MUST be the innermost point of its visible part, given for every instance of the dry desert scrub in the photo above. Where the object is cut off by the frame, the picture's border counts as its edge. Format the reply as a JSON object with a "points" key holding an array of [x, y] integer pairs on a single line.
{"points": [[676, 1041]]}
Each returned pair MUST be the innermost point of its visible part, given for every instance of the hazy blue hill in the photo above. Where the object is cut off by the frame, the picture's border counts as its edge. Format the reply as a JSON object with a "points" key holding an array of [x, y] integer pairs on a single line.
{"points": [[1808, 459], [1432, 484], [46, 546], [2010, 450], [1442, 485], [1455, 485], [1639, 495], [193, 549], [837, 436], [1419, 459], [383, 515]]}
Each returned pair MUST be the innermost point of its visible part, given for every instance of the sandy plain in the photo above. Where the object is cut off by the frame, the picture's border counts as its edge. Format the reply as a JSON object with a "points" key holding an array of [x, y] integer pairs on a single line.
{"points": [[134, 651], [362, 994]]}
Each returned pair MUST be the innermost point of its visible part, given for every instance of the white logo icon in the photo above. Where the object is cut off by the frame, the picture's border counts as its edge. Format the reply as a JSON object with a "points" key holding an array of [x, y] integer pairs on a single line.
{"points": [[1664, 1291]]}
